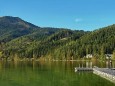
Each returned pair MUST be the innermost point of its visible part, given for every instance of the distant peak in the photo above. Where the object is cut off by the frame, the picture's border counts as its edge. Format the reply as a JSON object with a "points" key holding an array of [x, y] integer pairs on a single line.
{"points": [[17, 21], [9, 17]]}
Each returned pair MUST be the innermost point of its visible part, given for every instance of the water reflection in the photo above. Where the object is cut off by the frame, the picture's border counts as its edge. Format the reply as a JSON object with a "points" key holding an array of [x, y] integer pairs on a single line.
{"points": [[60, 64], [90, 64], [110, 64], [57, 73]]}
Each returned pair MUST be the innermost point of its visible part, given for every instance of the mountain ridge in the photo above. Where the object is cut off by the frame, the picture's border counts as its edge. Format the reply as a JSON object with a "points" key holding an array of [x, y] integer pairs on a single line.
{"points": [[52, 43]]}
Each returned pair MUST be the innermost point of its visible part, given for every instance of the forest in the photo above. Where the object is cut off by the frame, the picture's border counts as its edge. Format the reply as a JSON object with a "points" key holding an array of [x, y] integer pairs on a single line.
{"points": [[22, 40]]}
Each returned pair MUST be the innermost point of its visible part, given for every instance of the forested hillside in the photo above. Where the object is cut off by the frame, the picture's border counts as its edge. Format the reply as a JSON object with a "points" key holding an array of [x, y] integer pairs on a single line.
{"points": [[98, 43], [21, 39]]}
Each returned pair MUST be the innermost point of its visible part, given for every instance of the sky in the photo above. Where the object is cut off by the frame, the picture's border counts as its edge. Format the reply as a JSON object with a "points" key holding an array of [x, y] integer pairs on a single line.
{"points": [[85, 15]]}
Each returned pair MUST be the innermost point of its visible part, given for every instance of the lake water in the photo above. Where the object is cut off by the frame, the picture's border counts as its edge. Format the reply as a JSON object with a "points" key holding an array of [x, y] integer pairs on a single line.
{"points": [[50, 74]]}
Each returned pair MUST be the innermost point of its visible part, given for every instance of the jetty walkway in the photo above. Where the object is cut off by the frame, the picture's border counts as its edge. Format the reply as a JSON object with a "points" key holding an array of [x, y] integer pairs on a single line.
{"points": [[83, 69], [107, 73]]}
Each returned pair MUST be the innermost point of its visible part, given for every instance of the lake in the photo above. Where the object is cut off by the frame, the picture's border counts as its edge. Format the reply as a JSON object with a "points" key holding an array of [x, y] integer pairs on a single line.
{"points": [[57, 73]]}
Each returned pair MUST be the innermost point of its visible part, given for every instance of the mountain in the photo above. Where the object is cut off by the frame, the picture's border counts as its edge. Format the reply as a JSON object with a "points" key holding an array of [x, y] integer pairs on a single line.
{"points": [[13, 27], [97, 43], [22, 39]]}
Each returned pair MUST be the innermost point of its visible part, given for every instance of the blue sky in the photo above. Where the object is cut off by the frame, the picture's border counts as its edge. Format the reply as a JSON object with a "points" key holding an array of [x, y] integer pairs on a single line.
{"points": [[72, 14]]}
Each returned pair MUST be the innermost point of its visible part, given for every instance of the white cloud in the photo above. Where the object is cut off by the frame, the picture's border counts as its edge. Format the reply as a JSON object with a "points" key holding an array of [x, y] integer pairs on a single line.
{"points": [[78, 20]]}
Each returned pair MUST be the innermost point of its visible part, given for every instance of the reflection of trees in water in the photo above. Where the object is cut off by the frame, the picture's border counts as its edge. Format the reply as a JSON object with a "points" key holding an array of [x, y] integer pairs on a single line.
{"points": [[101, 64], [85, 64], [110, 64]]}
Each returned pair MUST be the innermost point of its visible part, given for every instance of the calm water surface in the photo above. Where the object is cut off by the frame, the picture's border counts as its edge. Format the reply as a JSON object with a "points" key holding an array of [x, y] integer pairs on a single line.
{"points": [[50, 74]]}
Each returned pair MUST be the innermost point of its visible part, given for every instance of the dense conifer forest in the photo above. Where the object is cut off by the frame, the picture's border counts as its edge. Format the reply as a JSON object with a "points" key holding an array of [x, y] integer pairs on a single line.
{"points": [[23, 40]]}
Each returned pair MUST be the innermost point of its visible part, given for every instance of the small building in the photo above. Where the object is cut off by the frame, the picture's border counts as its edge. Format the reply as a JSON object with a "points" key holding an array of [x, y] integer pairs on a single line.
{"points": [[89, 56], [108, 56]]}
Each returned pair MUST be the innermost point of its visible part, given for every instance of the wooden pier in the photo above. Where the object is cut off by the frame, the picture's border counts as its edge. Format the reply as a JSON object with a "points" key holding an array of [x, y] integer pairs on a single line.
{"points": [[107, 73], [83, 69]]}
